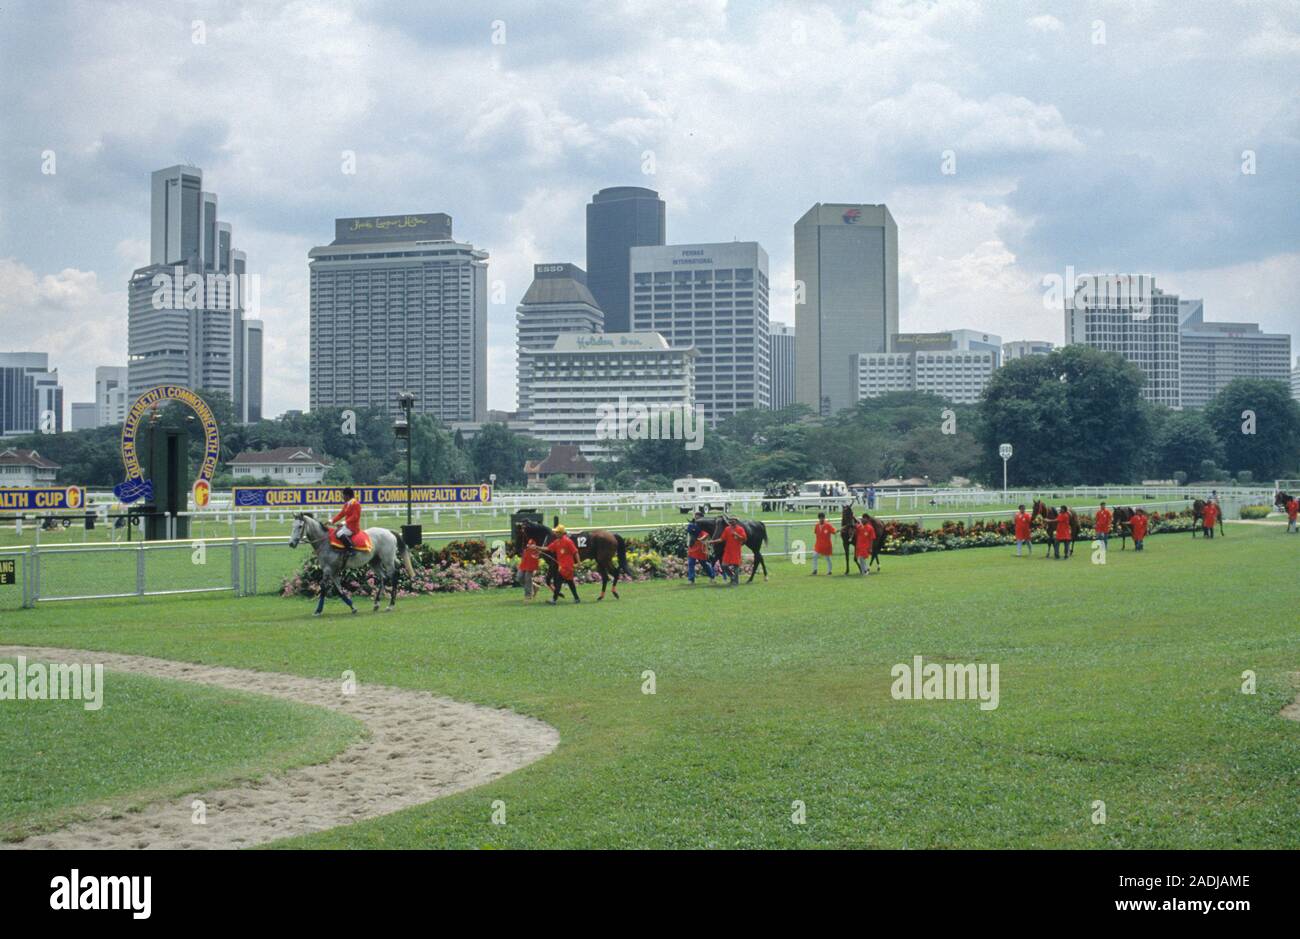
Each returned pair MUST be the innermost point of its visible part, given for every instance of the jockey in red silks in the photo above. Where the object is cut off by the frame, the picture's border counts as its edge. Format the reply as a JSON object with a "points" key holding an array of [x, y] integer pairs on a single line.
{"points": [[351, 517]]}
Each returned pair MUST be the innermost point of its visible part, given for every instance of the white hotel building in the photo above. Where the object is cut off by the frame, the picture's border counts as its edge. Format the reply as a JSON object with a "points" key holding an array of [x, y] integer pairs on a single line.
{"points": [[582, 373], [713, 297], [955, 365]]}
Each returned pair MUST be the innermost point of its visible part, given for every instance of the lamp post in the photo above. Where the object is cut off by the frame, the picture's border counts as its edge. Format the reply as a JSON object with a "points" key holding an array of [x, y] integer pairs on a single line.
{"points": [[411, 533], [1004, 451]]}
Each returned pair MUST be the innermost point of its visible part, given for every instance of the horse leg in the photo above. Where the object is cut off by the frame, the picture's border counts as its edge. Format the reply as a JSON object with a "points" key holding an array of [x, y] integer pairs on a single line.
{"points": [[320, 602], [338, 587], [379, 583], [761, 560], [392, 590], [604, 580], [613, 588]]}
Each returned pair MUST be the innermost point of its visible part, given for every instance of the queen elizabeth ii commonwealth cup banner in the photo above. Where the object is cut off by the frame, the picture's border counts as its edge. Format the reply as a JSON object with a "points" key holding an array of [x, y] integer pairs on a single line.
{"points": [[310, 497]]}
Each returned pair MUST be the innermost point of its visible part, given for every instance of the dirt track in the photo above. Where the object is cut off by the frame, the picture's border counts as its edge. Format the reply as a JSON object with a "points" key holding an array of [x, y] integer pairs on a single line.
{"points": [[420, 747]]}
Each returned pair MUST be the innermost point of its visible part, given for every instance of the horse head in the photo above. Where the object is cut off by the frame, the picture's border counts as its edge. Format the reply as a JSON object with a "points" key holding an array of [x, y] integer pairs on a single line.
{"points": [[304, 526]]}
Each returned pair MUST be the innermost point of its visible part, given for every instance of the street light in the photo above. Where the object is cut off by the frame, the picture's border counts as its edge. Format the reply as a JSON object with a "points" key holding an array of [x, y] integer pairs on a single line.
{"points": [[411, 533], [1004, 451]]}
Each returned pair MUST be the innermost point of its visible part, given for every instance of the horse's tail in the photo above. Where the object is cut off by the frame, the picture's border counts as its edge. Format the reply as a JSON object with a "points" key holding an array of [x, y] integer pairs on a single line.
{"points": [[622, 554], [404, 555]]}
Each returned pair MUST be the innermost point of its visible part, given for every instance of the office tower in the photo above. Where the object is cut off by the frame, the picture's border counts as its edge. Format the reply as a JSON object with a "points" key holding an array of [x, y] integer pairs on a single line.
{"points": [[185, 316], [111, 394], [619, 219], [398, 306], [85, 415], [955, 365], [782, 365], [31, 398], [1025, 347], [583, 374], [846, 303], [1129, 315], [713, 297], [1295, 380], [557, 301], [1212, 354]]}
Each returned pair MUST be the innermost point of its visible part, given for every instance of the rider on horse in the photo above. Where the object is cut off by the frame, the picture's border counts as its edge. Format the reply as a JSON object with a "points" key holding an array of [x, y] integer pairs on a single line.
{"points": [[350, 514]]}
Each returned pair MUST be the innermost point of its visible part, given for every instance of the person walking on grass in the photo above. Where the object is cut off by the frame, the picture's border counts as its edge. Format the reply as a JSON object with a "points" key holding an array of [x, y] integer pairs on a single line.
{"points": [[822, 548], [528, 562], [1063, 534], [1101, 524], [565, 553], [1292, 512], [1210, 515], [732, 539], [1138, 525], [1023, 523], [697, 554], [863, 538]]}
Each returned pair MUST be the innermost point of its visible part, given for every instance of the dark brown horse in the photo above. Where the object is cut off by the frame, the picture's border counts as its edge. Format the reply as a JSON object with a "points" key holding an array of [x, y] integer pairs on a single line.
{"points": [[1198, 516], [755, 538], [848, 535], [1049, 515], [1121, 524], [608, 549]]}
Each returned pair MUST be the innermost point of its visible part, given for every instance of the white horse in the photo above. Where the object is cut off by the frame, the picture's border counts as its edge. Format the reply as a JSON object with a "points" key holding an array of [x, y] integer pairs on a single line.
{"points": [[386, 550]]}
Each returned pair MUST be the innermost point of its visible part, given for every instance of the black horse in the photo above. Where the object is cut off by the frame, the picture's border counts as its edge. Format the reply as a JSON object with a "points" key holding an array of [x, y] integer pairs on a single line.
{"points": [[848, 535], [608, 549], [1121, 523], [755, 538], [1049, 515]]}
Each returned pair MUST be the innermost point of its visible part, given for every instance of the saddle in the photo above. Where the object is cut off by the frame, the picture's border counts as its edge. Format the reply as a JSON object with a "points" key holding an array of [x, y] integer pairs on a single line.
{"points": [[360, 541]]}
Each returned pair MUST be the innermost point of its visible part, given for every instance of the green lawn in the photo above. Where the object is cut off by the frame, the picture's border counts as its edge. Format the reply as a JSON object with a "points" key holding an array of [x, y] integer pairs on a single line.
{"points": [[1119, 682], [152, 739]]}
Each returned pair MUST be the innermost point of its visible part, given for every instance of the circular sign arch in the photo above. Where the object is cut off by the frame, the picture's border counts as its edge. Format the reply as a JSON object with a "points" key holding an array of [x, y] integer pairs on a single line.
{"points": [[135, 486]]}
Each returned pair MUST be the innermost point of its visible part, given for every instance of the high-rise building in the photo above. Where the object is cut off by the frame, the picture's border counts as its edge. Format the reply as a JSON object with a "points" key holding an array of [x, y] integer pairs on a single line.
{"points": [[557, 301], [955, 365], [1022, 348], [585, 380], [713, 297], [112, 396], [618, 219], [85, 415], [1128, 314], [31, 398], [1213, 354], [1295, 380], [185, 318], [398, 306], [782, 365], [846, 303]]}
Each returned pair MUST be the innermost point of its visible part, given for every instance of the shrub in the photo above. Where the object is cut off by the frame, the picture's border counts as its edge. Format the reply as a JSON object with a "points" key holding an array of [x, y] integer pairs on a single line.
{"points": [[667, 539], [1255, 511]]}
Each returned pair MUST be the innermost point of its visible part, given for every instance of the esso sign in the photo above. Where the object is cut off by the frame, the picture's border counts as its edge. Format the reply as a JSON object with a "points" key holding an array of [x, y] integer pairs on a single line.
{"points": [[202, 493]]}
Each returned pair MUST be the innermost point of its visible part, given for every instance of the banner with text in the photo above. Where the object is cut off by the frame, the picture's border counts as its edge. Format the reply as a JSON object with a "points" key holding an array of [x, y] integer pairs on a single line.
{"points": [[53, 497], [310, 497]]}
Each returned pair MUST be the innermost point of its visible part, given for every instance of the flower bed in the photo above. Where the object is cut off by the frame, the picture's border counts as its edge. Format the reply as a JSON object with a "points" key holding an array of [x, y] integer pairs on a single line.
{"points": [[465, 566]]}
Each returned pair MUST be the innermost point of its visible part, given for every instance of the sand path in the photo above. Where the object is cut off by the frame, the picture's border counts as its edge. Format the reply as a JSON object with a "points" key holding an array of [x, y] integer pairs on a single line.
{"points": [[420, 747]]}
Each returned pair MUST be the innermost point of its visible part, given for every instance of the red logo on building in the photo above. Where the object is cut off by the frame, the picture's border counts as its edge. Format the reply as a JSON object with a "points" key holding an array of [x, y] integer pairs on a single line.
{"points": [[851, 216]]}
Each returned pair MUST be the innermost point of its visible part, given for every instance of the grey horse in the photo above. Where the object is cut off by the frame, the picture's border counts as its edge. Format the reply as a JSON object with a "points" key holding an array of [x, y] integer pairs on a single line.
{"points": [[386, 550]]}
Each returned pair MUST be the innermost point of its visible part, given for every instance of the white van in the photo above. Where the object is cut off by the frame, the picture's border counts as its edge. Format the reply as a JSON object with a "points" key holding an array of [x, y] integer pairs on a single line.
{"points": [[823, 493], [692, 493]]}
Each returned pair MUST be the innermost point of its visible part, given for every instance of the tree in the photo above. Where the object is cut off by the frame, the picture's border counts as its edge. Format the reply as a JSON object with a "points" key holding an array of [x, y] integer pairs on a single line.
{"points": [[1074, 417], [1258, 424], [1183, 440], [496, 449], [557, 482]]}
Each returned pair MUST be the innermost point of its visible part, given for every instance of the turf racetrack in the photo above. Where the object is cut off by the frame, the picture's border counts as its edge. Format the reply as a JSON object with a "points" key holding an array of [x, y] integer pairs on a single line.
{"points": [[1118, 682]]}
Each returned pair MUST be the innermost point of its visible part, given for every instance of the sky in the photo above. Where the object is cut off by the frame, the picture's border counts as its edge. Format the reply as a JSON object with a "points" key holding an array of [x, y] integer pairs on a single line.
{"points": [[1015, 143]]}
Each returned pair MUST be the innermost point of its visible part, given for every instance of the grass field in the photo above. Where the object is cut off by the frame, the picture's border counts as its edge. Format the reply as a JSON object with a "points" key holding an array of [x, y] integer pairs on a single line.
{"points": [[158, 739], [1118, 682]]}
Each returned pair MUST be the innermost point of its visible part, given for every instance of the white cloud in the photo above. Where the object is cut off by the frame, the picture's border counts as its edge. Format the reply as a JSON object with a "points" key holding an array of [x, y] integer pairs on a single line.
{"points": [[1046, 23]]}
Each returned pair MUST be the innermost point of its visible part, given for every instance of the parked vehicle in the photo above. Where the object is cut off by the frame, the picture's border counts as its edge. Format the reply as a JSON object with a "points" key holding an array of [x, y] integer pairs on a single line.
{"points": [[691, 493]]}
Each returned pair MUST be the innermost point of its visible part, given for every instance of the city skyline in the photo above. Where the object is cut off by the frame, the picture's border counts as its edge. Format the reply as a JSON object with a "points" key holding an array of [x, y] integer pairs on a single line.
{"points": [[980, 92]]}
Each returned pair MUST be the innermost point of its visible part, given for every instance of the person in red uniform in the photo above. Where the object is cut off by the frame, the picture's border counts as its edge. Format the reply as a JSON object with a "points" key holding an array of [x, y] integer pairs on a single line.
{"points": [[863, 538], [1292, 512], [1063, 534], [1023, 522], [733, 539], [697, 555], [1210, 515], [1138, 525], [822, 548], [565, 553], [350, 515], [528, 567], [1101, 524]]}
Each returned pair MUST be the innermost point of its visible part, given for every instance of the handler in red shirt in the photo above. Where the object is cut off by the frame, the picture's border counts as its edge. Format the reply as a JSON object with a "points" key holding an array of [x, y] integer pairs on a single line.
{"points": [[1101, 524], [1063, 534], [863, 539], [565, 553], [1138, 525], [1210, 515], [733, 538], [528, 567], [1022, 532], [698, 555], [822, 548], [1292, 511]]}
